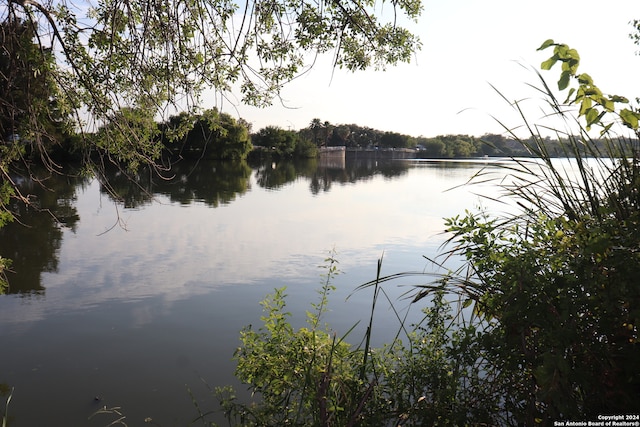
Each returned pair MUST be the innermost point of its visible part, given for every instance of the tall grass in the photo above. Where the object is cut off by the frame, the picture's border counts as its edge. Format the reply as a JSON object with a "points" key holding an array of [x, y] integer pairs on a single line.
{"points": [[558, 275], [5, 415], [553, 281]]}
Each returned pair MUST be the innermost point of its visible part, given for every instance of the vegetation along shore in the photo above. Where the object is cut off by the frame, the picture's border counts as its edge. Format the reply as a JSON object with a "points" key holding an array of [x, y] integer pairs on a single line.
{"points": [[535, 323]]}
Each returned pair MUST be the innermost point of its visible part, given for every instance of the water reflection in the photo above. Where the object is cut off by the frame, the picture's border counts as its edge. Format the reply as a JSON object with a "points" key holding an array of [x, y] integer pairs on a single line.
{"points": [[34, 239], [274, 175], [34, 242], [322, 175], [210, 182], [213, 183], [216, 183]]}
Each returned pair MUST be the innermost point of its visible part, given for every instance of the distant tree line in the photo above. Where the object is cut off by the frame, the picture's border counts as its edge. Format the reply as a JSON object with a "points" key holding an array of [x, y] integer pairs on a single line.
{"points": [[211, 134], [325, 134], [215, 135]]}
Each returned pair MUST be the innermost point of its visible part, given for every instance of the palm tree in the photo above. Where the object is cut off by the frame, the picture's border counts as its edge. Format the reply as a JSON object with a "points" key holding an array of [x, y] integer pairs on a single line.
{"points": [[315, 127], [327, 130]]}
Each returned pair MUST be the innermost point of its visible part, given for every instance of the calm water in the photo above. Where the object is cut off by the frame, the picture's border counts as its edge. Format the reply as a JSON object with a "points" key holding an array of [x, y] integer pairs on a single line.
{"points": [[132, 303]]}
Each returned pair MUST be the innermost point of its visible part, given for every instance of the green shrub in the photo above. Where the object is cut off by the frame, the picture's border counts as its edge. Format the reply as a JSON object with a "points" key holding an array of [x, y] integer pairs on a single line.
{"points": [[436, 375], [303, 377], [559, 275]]}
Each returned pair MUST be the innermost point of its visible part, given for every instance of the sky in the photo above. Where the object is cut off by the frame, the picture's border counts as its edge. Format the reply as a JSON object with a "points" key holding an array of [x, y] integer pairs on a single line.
{"points": [[468, 47]]}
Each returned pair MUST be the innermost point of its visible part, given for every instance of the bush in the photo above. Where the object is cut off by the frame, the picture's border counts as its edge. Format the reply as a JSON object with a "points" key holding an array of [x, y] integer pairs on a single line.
{"points": [[304, 377], [309, 377], [559, 276]]}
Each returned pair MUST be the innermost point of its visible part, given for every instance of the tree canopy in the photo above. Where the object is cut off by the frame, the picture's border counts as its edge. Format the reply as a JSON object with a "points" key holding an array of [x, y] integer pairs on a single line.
{"points": [[81, 64], [210, 134], [104, 56]]}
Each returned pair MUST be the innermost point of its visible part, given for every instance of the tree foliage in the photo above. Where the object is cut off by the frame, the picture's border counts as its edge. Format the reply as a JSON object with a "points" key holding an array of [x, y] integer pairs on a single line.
{"points": [[129, 139], [210, 134], [312, 377], [353, 136], [305, 376], [32, 110], [282, 142], [593, 103], [106, 56]]}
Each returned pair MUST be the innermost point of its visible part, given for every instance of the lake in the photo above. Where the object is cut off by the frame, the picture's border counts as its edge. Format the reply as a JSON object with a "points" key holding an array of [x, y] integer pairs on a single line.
{"points": [[136, 301]]}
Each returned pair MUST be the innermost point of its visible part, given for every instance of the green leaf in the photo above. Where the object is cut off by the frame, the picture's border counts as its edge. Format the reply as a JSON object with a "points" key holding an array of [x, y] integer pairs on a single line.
{"points": [[585, 106], [573, 56], [629, 118], [561, 51], [546, 65], [546, 44], [571, 92], [585, 79], [564, 80], [592, 116], [608, 104], [593, 92], [617, 98]]}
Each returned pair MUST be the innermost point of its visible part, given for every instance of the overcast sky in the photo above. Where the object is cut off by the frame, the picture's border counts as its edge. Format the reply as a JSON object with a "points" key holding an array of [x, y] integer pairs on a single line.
{"points": [[468, 45]]}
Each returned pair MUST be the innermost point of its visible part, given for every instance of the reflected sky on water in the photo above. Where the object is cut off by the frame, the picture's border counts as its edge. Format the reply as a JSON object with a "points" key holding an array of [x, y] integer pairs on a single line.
{"points": [[133, 297]]}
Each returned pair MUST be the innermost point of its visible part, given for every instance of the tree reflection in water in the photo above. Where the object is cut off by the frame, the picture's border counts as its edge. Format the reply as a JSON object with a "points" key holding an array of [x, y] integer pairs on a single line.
{"points": [[33, 239]]}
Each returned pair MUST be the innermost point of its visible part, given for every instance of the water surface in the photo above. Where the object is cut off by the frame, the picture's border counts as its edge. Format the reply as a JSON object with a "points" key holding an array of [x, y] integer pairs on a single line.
{"points": [[131, 301]]}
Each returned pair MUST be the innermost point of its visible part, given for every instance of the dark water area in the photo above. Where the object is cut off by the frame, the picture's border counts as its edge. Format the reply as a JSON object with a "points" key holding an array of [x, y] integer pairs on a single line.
{"points": [[132, 295]]}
